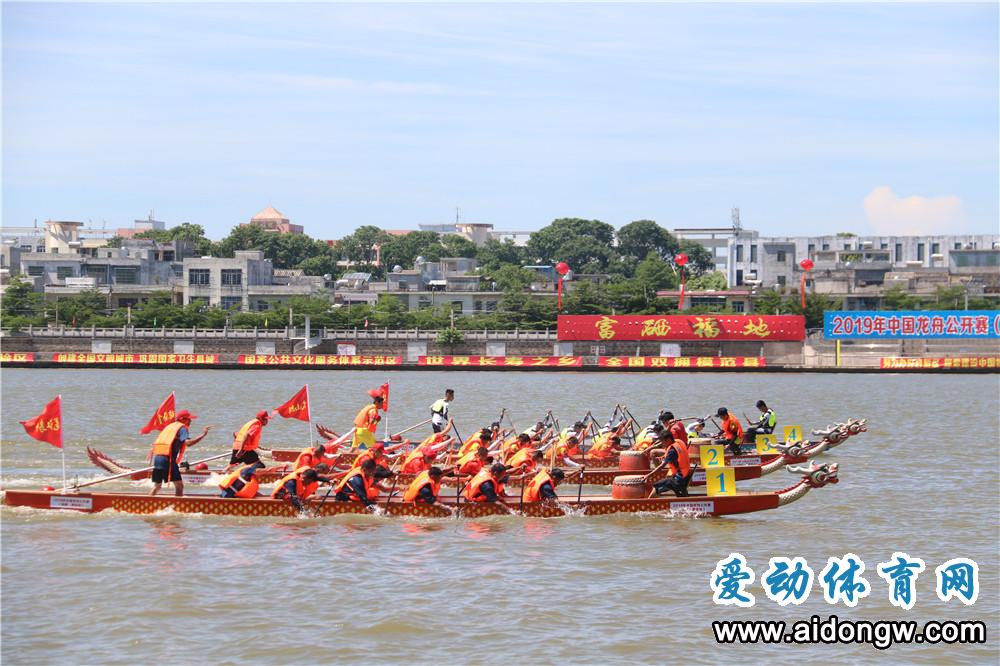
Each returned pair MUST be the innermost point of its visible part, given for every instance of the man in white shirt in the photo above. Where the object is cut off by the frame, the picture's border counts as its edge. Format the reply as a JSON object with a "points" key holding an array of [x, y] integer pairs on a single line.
{"points": [[439, 411]]}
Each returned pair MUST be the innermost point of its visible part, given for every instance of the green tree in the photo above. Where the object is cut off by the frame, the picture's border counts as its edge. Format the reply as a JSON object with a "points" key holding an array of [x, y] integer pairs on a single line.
{"points": [[83, 309], [454, 245], [576, 241], [654, 273], [715, 280], [770, 302], [404, 250], [494, 254], [897, 298], [510, 277], [949, 297], [638, 239], [21, 304]]}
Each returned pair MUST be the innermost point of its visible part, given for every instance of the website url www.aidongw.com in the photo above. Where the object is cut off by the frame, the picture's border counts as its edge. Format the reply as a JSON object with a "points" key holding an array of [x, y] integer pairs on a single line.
{"points": [[881, 634]]}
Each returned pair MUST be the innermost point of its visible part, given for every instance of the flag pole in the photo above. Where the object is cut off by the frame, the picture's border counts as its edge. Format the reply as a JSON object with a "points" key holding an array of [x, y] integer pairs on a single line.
{"points": [[386, 437], [62, 444], [312, 441]]}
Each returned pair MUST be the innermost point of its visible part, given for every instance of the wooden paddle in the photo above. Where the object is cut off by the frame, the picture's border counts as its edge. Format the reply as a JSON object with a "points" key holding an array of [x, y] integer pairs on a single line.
{"points": [[137, 471]]}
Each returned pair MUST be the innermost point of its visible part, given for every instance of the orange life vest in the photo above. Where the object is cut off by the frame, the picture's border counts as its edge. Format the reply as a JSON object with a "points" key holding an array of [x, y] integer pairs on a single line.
{"points": [[370, 488], [414, 463], [510, 447], [523, 459], [376, 455], [565, 450], [413, 492], [307, 459], [732, 429], [303, 490], [165, 440], [683, 460], [472, 492], [250, 486], [532, 493], [603, 447], [367, 418], [471, 444], [469, 464], [244, 443]]}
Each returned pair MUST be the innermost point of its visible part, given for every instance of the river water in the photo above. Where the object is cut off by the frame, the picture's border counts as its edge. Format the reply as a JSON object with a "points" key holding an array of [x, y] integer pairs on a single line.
{"points": [[116, 588]]}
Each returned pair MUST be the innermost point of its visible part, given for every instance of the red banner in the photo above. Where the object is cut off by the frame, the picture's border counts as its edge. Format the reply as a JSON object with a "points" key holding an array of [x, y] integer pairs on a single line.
{"points": [[138, 359], [682, 327], [317, 359], [953, 363], [47, 426], [17, 357], [504, 361], [685, 362]]}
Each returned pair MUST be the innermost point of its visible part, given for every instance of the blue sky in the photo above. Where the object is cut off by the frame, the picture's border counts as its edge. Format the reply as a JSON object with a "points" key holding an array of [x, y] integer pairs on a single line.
{"points": [[811, 118]]}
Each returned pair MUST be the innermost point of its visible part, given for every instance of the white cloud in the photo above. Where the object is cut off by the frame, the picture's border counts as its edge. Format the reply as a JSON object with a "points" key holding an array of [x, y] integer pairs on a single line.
{"points": [[889, 214]]}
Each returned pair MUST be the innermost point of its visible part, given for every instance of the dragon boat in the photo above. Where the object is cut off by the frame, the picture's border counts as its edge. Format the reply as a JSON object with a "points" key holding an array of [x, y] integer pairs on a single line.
{"points": [[630, 494]]}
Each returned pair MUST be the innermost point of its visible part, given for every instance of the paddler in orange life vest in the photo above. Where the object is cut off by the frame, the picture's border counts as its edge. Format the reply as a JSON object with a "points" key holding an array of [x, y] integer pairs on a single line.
{"points": [[366, 422], [299, 486], [678, 466], [570, 447], [358, 485], [377, 454], [606, 445], [311, 457], [246, 441], [426, 488], [421, 458], [526, 461], [731, 432], [241, 482], [542, 488], [487, 486], [511, 447], [168, 451], [676, 427], [471, 463]]}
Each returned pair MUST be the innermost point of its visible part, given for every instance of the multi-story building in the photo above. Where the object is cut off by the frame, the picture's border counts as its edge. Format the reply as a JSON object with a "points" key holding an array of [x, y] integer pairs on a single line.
{"points": [[246, 281], [271, 219]]}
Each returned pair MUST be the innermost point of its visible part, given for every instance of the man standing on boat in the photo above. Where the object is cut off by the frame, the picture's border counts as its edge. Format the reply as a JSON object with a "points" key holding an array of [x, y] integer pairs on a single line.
{"points": [[439, 411], [765, 424], [168, 451], [731, 431], [247, 440], [366, 422]]}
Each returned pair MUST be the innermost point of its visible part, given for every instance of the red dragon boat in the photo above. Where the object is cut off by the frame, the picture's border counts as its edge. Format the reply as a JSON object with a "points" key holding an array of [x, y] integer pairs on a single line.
{"points": [[629, 495]]}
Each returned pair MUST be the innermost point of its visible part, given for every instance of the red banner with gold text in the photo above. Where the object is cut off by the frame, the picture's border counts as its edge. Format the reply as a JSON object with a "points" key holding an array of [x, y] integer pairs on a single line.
{"points": [[952, 363], [504, 361], [317, 359], [137, 359], [17, 357], [683, 362], [682, 327]]}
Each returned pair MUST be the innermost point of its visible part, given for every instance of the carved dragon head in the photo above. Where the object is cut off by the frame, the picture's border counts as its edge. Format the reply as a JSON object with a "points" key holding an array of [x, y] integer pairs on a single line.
{"points": [[855, 426], [793, 449], [817, 476], [833, 433]]}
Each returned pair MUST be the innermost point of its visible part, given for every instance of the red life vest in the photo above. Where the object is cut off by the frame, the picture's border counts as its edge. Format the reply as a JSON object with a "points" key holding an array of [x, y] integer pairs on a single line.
{"points": [[683, 460], [370, 488], [412, 493], [533, 492], [472, 492], [303, 490], [471, 444], [250, 486], [679, 432], [732, 428], [165, 441]]}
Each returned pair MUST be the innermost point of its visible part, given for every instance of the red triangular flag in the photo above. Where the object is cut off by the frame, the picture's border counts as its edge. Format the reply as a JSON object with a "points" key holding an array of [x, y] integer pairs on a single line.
{"points": [[47, 426], [297, 407], [384, 389], [163, 417]]}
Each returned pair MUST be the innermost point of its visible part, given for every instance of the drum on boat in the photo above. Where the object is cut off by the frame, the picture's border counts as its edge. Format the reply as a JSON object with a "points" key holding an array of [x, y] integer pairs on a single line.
{"points": [[633, 461], [630, 486]]}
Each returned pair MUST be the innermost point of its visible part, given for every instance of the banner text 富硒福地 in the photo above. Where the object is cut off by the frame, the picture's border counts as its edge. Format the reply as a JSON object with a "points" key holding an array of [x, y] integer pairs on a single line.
{"points": [[960, 324]]}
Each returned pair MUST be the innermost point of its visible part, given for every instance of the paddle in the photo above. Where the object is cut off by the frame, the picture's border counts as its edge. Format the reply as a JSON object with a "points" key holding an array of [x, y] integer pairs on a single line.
{"points": [[136, 471], [412, 427], [510, 420], [579, 488]]}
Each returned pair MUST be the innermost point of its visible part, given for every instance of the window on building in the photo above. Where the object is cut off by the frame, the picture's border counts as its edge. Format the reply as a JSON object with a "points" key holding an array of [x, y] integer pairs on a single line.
{"points": [[753, 254], [198, 276], [168, 255], [781, 257], [935, 248], [883, 246], [781, 280], [920, 251], [826, 246], [63, 272], [27, 248], [36, 271], [127, 302], [739, 277], [457, 307], [899, 252], [490, 306], [738, 306], [261, 306], [423, 302], [40, 248], [847, 246], [54, 250], [230, 302], [232, 277], [812, 249], [126, 274], [739, 253], [958, 246]]}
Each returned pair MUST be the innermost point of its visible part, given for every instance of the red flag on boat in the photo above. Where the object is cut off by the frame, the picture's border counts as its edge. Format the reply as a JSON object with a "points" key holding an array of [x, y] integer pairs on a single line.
{"points": [[297, 407], [384, 389], [47, 426], [163, 417]]}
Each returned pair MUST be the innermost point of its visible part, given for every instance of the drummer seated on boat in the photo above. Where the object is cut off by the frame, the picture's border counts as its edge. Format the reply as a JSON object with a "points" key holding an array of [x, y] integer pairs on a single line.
{"points": [[678, 466], [246, 441], [299, 486], [168, 450], [543, 487], [241, 482], [487, 486], [765, 424], [732, 432], [358, 485], [426, 488]]}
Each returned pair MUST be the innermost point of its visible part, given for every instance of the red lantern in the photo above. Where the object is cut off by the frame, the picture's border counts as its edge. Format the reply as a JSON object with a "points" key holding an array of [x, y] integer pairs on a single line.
{"points": [[806, 264], [680, 258], [562, 268]]}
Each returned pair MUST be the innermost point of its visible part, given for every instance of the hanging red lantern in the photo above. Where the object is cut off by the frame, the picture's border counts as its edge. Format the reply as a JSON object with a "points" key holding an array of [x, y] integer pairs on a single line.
{"points": [[680, 258], [806, 265], [562, 268]]}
